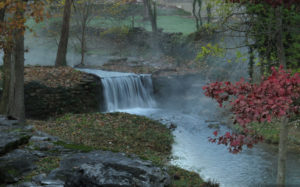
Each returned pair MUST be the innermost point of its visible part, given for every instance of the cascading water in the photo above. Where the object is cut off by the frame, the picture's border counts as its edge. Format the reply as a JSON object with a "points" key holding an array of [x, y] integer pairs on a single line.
{"points": [[125, 90]]}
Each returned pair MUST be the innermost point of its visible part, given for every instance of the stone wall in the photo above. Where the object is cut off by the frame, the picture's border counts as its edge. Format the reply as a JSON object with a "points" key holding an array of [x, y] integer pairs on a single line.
{"points": [[42, 101]]}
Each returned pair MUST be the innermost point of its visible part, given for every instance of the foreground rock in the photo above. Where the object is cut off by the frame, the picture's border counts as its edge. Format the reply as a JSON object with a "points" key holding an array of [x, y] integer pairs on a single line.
{"points": [[15, 164], [103, 168], [12, 135], [25, 154]]}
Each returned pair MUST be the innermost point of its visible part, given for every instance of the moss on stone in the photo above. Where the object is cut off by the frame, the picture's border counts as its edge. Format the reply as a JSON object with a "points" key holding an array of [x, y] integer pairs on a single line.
{"points": [[78, 147]]}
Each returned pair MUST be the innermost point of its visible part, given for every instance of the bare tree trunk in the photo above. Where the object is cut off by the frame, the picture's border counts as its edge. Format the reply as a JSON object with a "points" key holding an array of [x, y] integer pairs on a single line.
{"points": [[153, 19], [145, 12], [83, 45], [12, 101], [2, 14], [279, 40], [282, 152], [268, 52], [6, 82], [6, 73], [61, 56], [152, 14], [16, 107], [197, 13], [251, 63], [132, 21], [208, 11]]}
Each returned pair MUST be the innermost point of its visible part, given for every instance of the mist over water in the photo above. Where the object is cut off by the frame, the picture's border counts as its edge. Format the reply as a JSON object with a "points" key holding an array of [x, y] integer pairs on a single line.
{"points": [[41, 50]]}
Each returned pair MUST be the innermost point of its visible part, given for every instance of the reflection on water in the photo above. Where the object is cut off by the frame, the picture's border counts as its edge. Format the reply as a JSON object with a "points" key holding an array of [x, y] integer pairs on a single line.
{"points": [[252, 167]]}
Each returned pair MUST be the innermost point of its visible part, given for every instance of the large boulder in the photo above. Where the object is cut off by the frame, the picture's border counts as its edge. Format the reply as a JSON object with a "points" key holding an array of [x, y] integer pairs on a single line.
{"points": [[11, 140], [102, 168], [15, 164], [12, 135]]}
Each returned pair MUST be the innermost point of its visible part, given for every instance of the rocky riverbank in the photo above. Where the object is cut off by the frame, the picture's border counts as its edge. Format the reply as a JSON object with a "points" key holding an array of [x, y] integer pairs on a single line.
{"points": [[30, 157], [33, 158]]}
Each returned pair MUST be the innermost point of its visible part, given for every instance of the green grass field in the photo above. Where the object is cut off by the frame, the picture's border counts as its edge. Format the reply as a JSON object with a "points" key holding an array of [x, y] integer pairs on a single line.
{"points": [[169, 23], [169, 19]]}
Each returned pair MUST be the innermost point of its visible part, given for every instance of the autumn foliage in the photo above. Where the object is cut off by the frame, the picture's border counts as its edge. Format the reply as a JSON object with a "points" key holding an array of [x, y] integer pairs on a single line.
{"points": [[273, 98], [274, 3], [13, 21]]}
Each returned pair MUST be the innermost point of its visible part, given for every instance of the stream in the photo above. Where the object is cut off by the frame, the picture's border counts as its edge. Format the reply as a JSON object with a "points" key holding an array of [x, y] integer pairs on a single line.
{"points": [[193, 151]]}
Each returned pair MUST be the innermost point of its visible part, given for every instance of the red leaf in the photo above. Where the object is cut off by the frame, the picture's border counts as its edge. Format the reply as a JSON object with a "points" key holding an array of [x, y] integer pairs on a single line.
{"points": [[216, 133]]}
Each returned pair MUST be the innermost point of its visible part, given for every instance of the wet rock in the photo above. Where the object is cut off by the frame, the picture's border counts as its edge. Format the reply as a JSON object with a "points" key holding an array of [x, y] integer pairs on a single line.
{"points": [[39, 178], [42, 146], [29, 128], [101, 168], [43, 134], [15, 164], [7, 122], [12, 135], [52, 182], [98, 168], [39, 138], [172, 126], [11, 140], [214, 126], [39, 154], [27, 184]]}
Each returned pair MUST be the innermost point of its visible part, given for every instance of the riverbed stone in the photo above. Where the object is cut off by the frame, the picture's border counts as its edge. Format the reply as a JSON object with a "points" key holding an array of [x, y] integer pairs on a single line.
{"points": [[39, 138], [12, 135], [214, 126], [25, 184], [45, 135], [11, 140], [39, 178], [39, 154], [13, 165], [4, 121], [43, 146], [102, 168], [52, 182]]}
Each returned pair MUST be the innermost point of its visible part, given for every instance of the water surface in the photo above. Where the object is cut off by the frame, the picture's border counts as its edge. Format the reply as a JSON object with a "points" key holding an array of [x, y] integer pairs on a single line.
{"points": [[193, 151]]}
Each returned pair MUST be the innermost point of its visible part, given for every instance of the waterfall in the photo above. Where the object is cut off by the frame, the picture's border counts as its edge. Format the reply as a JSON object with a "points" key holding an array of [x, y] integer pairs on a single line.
{"points": [[125, 90]]}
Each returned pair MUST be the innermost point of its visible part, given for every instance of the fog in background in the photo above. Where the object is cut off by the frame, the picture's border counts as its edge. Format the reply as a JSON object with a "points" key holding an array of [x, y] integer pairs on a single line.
{"points": [[184, 94]]}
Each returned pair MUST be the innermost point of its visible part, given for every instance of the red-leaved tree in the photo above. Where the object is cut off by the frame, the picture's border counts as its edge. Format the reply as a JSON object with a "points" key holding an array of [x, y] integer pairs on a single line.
{"points": [[274, 3], [274, 98]]}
